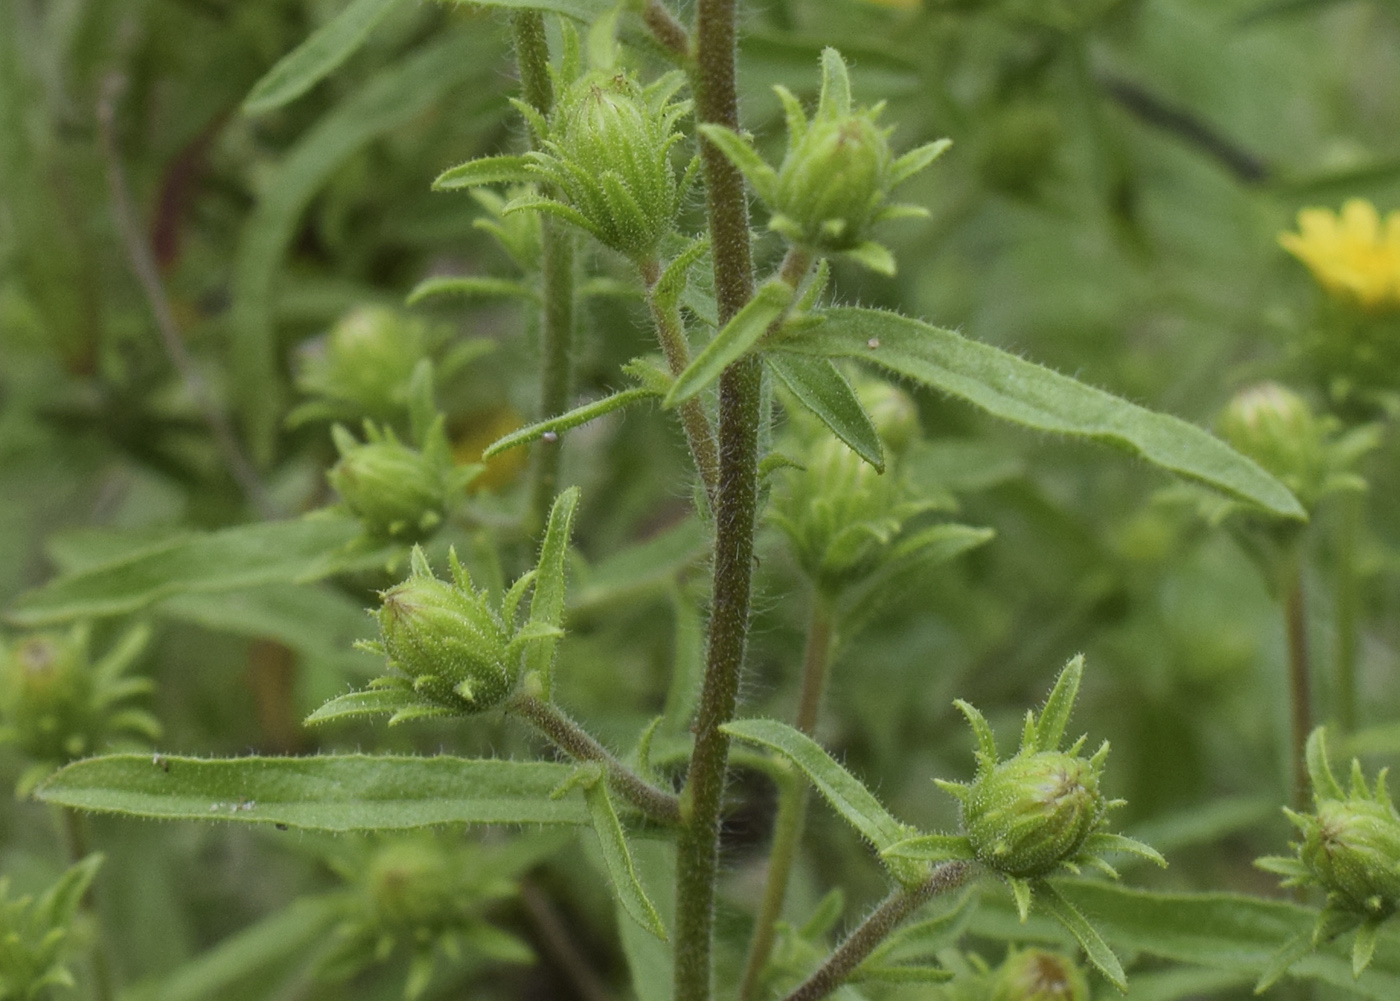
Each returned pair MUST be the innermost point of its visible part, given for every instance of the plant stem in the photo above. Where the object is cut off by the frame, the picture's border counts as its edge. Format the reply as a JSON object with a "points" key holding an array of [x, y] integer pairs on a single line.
{"points": [[75, 837], [657, 804], [670, 332], [1299, 690], [792, 803], [143, 265], [667, 30], [557, 275], [873, 930], [697, 863], [1344, 650]]}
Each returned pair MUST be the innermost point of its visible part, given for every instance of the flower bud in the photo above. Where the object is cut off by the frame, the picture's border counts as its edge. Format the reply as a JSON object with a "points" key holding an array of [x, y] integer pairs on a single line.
{"points": [[446, 638], [1038, 975], [1275, 427], [395, 490], [46, 696], [1026, 815], [607, 151], [892, 411], [833, 181], [1352, 848], [411, 884], [367, 361]]}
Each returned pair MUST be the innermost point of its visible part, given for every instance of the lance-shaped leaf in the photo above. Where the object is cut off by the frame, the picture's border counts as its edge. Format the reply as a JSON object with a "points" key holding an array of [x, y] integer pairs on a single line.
{"points": [[547, 602], [1025, 393], [317, 57], [227, 560], [565, 422], [846, 793], [387, 701], [734, 340], [932, 848], [351, 792], [468, 287], [617, 856], [1050, 725], [821, 388], [487, 170], [1095, 948]]}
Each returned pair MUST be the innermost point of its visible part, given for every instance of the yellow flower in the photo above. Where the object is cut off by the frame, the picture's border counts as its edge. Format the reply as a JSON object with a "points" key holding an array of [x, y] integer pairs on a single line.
{"points": [[1351, 255]]}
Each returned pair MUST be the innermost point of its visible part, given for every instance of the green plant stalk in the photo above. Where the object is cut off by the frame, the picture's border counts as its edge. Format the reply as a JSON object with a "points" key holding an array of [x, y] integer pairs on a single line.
{"points": [[714, 83], [667, 30], [901, 903], [1299, 687], [656, 803], [670, 332], [1345, 612], [557, 275], [792, 803], [73, 830]]}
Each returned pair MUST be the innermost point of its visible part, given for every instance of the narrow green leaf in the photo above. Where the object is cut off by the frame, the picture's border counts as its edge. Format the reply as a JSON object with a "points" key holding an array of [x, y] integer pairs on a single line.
{"points": [[391, 98], [1095, 948], [317, 57], [847, 795], [586, 11], [932, 848], [734, 341], [1365, 946], [565, 422], [738, 151], [938, 544], [472, 287], [352, 792], [1285, 958], [981, 729], [1324, 783], [1103, 841], [673, 281], [1050, 727], [820, 387], [487, 170], [248, 953], [370, 702], [649, 958], [1025, 393], [618, 859], [547, 603], [227, 560]]}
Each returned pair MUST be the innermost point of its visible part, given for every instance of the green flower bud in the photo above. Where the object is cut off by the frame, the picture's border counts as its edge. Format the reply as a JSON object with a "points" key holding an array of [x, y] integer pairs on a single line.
{"points": [[1038, 975], [367, 361], [47, 696], [1352, 848], [1275, 427], [412, 884], [836, 177], [447, 639], [607, 152], [892, 411], [397, 491], [1027, 815]]}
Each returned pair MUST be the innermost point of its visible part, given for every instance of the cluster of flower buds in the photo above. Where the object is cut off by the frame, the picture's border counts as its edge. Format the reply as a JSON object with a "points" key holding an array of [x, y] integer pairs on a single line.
{"points": [[834, 183], [838, 511], [398, 492], [58, 705], [428, 893], [1276, 428], [364, 367], [37, 934], [1350, 848], [603, 162], [452, 648]]}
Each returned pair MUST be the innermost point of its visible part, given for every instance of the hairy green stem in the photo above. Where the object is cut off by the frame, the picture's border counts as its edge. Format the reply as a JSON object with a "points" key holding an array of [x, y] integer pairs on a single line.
{"points": [[901, 903], [792, 804], [557, 275], [713, 80], [667, 30], [1345, 613], [1299, 687], [670, 332], [656, 803]]}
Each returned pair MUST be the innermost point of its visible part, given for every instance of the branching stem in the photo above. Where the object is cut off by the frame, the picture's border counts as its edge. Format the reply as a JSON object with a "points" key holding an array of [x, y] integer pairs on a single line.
{"points": [[874, 929], [657, 804]]}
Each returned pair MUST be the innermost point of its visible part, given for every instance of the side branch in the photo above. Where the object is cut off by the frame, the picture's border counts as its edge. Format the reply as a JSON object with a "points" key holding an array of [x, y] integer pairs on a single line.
{"points": [[656, 803], [874, 929]]}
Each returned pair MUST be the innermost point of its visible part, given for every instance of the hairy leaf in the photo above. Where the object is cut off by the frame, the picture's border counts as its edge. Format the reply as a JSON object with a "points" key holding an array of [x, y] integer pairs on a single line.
{"points": [[351, 792], [631, 894], [564, 422], [821, 388], [734, 340], [1025, 393]]}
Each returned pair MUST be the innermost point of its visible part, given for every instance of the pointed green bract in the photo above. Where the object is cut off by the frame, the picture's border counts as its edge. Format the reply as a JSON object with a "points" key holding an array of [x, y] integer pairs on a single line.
{"points": [[547, 602], [1050, 727], [734, 340], [1095, 948], [618, 857], [820, 387], [567, 422]]}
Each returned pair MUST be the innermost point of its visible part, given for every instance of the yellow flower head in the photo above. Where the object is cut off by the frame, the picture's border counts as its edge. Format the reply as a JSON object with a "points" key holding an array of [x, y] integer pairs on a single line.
{"points": [[1351, 255]]}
